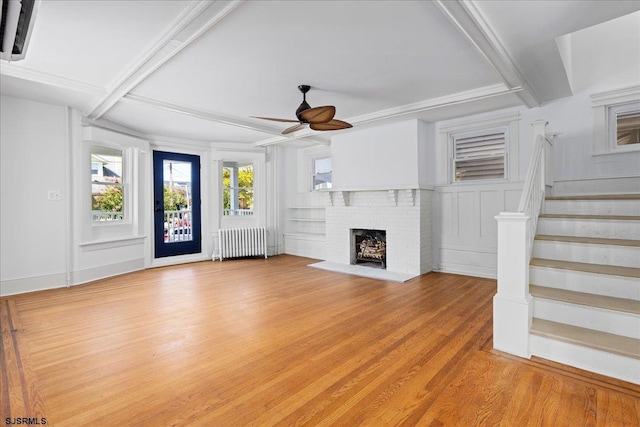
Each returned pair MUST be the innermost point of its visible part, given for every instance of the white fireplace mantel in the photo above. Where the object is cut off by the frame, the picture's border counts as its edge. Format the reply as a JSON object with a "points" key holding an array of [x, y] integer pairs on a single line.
{"points": [[341, 196]]}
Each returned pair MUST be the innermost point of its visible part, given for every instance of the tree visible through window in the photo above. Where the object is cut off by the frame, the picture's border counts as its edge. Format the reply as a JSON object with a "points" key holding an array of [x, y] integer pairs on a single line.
{"points": [[237, 188], [107, 185]]}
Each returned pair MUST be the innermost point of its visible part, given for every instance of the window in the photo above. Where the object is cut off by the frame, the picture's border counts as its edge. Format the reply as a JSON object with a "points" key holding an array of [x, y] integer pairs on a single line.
{"points": [[479, 155], [321, 173], [624, 126], [237, 188], [107, 184], [616, 121]]}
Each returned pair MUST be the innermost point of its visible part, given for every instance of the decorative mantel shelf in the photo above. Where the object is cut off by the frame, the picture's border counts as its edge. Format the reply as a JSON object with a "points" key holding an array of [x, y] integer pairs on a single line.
{"points": [[341, 196]]}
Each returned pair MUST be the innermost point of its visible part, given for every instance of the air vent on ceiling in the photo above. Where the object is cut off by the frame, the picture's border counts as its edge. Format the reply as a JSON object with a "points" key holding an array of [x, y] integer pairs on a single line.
{"points": [[16, 27]]}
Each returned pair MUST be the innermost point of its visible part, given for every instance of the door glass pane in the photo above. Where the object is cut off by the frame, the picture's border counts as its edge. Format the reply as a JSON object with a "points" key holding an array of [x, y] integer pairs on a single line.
{"points": [[177, 201]]}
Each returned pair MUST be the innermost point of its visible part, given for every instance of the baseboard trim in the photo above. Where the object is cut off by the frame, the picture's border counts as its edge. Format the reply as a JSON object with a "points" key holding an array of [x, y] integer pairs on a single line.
{"points": [[105, 271], [32, 284], [468, 270]]}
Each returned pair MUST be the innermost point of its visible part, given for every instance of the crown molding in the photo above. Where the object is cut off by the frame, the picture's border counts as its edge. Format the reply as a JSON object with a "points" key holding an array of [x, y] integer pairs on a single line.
{"points": [[209, 116], [184, 31], [617, 96], [470, 22], [199, 114], [434, 103], [49, 79]]}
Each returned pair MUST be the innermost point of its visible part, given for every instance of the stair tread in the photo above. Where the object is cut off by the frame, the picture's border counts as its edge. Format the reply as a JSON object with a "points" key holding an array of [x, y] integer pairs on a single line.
{"points": [[597, 197], [588, 240], [590, 268], [611, 343], [582, 298], [576, 216]]}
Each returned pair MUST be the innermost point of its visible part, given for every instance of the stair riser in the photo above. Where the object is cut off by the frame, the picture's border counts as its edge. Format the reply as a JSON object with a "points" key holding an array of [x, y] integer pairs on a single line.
{"points": [[593, 207], [612, 365], [613, 322], [612, 229], [580, 281], [625, 256]]}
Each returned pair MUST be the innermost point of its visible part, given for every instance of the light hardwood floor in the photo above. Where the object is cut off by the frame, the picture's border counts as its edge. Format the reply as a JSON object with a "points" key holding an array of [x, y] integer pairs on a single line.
{"points": [[274, 342]]}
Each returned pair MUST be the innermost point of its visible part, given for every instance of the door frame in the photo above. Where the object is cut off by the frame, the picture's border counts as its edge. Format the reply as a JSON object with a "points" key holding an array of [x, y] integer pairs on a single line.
{"points": [[176, 249]]}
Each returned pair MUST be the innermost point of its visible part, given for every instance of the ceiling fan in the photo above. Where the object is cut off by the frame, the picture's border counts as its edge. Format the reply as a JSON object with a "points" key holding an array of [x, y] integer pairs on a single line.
{"points": [[318, 118]]}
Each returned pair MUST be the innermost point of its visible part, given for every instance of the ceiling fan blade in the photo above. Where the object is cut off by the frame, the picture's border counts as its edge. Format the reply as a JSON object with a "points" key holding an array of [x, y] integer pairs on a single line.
{"points": [[334, 124], [318, 114], [293, 128], [277, 120]]}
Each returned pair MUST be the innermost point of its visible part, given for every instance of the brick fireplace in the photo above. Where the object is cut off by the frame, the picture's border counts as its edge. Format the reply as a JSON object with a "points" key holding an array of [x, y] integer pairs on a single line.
{"points": [[403, 213]]}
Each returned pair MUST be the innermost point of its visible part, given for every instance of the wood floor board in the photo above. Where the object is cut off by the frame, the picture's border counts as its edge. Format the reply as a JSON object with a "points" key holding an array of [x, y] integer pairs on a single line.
{"points": [[274, 342]]}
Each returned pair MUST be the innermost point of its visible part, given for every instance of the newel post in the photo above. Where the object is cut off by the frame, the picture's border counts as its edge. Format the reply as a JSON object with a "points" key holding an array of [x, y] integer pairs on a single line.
{"points": [[512, 308]]}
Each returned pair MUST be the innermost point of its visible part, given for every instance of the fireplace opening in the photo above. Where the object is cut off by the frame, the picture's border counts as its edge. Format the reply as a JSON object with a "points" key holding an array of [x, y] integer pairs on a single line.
{"points": [[369, 248]]}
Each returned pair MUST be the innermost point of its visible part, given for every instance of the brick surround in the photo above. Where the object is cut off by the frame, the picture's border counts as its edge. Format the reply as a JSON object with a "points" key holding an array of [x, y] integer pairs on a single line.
{"points": [[405, 214]]}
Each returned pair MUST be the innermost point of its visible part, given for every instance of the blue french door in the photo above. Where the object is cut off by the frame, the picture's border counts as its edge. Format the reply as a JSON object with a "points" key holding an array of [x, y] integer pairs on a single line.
{"points": [[176, 204]]}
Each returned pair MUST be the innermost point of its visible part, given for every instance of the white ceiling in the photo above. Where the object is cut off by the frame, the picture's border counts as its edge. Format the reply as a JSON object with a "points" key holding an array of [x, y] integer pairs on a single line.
{"points": [[198, 70]]}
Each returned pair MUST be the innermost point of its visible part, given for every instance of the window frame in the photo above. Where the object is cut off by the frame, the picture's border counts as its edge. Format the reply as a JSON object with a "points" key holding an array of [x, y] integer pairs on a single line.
{"points": [[612, 125], [314, 173], [602, 104], [509, 120], [225, 165], [124, 184], [479, 133]]}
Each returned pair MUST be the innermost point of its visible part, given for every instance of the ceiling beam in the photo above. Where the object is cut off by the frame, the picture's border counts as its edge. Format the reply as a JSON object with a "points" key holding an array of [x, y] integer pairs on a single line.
{"points": [[471, 23], [196, 20]]}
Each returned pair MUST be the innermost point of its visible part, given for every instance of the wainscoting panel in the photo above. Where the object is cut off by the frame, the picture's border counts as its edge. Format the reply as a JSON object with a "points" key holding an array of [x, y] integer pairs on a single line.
{"points": [[465, 230]]}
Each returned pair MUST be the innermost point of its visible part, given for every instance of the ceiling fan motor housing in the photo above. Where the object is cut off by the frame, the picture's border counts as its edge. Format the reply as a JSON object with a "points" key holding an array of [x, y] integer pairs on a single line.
{"points": [[304, 105]]}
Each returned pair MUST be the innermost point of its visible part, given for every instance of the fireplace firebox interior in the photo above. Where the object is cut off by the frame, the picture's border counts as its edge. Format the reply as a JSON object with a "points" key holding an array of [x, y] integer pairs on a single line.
{"points": [[369, 248]]}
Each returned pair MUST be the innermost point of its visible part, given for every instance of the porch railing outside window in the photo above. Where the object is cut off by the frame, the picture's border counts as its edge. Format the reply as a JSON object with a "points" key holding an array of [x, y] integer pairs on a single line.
{"points": [[177, 226], [107, 216], [240, 212]]}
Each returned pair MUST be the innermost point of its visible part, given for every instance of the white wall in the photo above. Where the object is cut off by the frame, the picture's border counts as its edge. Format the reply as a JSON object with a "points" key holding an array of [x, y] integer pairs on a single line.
{"points": [[379, 157], [33, 155], [573, 119]]}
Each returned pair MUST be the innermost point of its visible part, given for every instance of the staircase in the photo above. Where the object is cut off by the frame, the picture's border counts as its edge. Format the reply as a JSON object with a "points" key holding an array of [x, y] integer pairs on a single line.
{"points": [[584, 277]]}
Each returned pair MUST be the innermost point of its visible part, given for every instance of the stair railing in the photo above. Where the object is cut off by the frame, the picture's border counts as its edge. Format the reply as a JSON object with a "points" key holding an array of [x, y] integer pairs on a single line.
{"points": [[512, 311]]}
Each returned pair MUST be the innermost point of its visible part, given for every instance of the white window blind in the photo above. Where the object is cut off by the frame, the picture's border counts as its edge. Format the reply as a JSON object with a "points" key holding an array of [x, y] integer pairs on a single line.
{"points": [[480, 156]]}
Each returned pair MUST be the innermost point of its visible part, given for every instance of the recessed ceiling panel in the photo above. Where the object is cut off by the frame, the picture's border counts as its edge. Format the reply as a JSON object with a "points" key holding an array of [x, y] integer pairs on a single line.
{"points": [[361, 56]]}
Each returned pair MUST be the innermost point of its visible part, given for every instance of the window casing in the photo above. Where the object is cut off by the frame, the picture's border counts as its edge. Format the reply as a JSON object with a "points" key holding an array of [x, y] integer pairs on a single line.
{"points": [[108, 184], [237, 188], [321, 173], [479, 155], [607, 108], [623, 122]]}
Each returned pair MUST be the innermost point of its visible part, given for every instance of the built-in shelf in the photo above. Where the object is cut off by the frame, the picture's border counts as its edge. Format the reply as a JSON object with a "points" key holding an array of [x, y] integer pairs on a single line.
{"points": [[306, 221]]}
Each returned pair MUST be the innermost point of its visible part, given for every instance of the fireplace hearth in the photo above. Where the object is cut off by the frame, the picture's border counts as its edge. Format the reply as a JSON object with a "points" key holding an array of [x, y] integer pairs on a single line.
{"points": [[369, 248]]}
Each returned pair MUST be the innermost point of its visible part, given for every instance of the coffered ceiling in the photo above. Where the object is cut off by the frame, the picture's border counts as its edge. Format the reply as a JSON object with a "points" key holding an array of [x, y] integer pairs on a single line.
{"points": [[198, 70]]}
